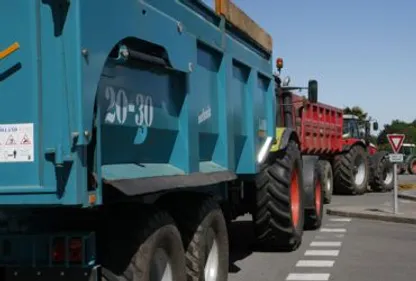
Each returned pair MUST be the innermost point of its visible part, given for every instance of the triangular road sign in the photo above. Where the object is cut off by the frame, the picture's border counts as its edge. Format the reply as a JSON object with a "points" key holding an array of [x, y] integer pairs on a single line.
{"points": [[396, 141]]}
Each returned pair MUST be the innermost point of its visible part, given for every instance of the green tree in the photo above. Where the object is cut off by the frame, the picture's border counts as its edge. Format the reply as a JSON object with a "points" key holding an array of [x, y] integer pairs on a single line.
{"points": [[357, 111], [397, 127]]}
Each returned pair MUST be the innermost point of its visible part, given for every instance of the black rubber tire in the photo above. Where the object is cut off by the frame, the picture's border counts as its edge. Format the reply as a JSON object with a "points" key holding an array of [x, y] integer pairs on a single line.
{"points": [[402, 171], [343, 172], [200, 220], [379, 163], [412, 161], [129, 238], [327, 180], [314, 215], [272, 216]]}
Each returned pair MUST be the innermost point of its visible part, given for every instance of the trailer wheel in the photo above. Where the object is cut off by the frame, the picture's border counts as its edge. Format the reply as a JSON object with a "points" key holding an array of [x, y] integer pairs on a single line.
{"points": [[382, 172], [204, 230], [412, 166], [140, 244], [351, 171], [314, 215], [325, 169], [279, 211]]}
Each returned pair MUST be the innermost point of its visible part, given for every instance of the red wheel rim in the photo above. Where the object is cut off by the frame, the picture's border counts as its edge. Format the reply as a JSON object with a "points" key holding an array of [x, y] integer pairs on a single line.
{"points": [[414, 167], [295, 197], [318, 190]]}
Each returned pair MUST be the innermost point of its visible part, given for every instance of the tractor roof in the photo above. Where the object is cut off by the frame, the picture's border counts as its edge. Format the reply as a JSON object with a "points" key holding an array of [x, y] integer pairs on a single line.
{"points": [[350, 116]]}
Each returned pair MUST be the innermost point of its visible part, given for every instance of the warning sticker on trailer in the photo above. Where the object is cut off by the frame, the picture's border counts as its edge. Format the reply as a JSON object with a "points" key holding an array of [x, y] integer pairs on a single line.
{"points": [[16, 143]]}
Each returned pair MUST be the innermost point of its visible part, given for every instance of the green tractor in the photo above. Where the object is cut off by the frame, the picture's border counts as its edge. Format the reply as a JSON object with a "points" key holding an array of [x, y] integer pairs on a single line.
{"points": [[409, 153]]}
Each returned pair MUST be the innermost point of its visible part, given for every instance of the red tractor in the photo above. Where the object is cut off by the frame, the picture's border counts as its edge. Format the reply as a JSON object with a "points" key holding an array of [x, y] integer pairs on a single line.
{"points": [[337, 145], [360, 164]]}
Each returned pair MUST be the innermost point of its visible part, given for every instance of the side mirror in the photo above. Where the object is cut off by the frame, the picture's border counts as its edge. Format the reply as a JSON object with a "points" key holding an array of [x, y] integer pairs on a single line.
{"points": [[313, 91], [375, 126]]}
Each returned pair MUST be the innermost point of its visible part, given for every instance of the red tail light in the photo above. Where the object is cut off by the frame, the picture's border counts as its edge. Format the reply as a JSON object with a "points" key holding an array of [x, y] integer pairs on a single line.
{"points": [[60, 248], [75, 250]]}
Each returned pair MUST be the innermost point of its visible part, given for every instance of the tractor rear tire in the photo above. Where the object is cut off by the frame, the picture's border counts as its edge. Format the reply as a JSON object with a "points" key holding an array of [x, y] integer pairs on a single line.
{"points": [[314, 215], [381, 172], [327, 181], [279, 209], [348, 178]]}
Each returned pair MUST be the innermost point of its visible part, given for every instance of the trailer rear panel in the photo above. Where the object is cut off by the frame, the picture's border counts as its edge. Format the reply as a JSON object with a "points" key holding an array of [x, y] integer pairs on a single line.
{"points": [[191, 104]]}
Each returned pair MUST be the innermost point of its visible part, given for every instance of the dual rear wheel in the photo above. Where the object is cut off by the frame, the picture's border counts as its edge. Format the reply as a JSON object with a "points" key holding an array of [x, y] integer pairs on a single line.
{"points": [[170, 243]]}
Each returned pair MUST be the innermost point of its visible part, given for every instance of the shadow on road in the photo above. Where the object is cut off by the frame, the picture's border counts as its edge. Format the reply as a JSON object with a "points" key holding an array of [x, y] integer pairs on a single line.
{"points": [[242, 244]]}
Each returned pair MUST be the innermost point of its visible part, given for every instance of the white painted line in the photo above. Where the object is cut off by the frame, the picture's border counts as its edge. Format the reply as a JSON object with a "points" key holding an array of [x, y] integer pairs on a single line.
{"points": [[334, 225], [325, 244], [333, 230], [339, 235], [340, 219], [332, 253], [308, 276], [315, 263]]}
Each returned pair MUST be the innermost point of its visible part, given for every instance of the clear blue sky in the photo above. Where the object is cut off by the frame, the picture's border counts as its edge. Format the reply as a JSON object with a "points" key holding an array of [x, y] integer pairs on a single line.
{"points": [[361, 52]]}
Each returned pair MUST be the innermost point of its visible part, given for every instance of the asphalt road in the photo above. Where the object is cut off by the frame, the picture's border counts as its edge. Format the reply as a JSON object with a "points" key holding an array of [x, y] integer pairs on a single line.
{"points": [[343, 250]]}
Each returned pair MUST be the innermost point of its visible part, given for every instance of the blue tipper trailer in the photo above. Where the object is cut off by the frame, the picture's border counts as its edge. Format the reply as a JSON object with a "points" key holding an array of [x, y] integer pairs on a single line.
{"points": [[131, 133]]}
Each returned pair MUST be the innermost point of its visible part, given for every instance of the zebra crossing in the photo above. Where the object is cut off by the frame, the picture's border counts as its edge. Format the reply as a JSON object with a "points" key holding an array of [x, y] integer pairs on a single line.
{"points": [[322, 252]]}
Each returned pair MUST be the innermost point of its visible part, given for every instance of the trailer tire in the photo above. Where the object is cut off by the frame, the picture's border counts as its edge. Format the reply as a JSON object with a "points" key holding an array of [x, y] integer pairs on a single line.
{"points": [[279, 209], [382, 172], [136, 243], [205, 235], [325, 169], [347, 180], [314, 215]]}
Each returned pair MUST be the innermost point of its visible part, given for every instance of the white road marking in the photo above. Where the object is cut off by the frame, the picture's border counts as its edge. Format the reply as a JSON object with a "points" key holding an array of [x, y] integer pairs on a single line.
{"points": [[332, 253], [340, 219], [315, 263], [325, 244], [308, 276], [333, 230], [339, 235], [334, 225]]}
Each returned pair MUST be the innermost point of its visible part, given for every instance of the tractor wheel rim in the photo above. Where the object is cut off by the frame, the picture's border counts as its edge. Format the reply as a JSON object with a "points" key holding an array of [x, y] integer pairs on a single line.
{"points": [[360, 171], [414, 167], [388, 176], [160, 268], [318, 190], [294, 198], [212, 263]]}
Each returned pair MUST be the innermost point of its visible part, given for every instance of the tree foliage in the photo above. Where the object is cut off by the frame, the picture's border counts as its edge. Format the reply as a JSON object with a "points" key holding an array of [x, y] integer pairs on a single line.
{"points": [[357, 111], [398, 127]]}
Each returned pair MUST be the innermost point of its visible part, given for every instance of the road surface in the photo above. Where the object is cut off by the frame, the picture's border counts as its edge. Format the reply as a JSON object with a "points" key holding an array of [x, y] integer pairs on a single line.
{"points": [[344, 249]]}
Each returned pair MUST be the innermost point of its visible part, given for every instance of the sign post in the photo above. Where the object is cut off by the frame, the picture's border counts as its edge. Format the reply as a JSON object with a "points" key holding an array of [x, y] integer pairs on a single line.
{"points": [[396, 142]]}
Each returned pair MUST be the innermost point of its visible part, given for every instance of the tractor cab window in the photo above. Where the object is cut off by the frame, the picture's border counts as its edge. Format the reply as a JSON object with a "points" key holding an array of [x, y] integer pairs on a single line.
{"points": [[351, 128]]}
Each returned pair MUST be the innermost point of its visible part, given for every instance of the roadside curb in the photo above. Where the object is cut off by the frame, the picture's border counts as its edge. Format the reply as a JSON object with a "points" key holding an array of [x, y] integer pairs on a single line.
{"points": [[371, 214], [407, 196]]}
